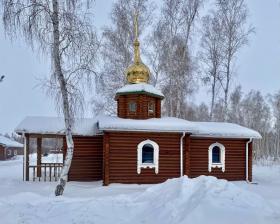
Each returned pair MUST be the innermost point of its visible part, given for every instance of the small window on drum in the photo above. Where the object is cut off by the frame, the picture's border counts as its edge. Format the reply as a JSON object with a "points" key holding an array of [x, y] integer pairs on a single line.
{"points": [[151, 108], [147, 155], [216, 156], [132, 107]]}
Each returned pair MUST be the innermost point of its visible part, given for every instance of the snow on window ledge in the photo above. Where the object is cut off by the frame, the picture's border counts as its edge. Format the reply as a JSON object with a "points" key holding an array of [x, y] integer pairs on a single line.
{"points": [[141, 165], [212, 164]]}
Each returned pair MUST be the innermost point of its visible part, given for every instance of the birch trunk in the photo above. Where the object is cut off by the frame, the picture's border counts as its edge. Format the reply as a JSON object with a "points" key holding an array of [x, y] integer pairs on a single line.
{"points": [[228, 79], [213, 90], [65, 101]]}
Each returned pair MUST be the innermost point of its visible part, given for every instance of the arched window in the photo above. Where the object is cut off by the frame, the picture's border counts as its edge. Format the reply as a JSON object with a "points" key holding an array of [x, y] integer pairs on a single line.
{"points": [[216, 156], [147, 153]]}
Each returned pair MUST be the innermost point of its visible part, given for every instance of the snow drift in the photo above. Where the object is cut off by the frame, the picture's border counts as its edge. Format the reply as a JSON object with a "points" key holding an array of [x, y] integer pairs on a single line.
{"points": [[180, 200], [204, 200]]}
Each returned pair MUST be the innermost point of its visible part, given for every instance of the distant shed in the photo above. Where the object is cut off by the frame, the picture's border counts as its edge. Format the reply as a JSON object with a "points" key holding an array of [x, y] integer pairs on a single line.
{"points": [[9, 148]]}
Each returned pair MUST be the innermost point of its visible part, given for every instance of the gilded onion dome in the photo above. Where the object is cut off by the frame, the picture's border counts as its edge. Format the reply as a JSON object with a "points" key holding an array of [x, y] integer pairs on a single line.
{"points": [[138, 72]]}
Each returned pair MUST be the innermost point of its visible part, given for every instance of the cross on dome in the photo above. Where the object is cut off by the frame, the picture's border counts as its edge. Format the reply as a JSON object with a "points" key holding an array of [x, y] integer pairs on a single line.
{"points": [[138, 72]]}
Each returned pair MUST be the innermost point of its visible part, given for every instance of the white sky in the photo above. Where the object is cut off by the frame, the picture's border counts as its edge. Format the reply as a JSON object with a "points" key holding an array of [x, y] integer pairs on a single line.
{"points": [[258, 66]]}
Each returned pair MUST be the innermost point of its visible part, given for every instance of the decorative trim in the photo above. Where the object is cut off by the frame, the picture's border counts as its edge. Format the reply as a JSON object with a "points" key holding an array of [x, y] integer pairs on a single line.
{"points": [[222, 154], [141, 165]]}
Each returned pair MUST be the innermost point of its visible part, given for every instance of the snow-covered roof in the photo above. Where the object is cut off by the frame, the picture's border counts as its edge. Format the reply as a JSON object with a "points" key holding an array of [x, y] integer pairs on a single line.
{"points": [[9, 143], [140, 88], [222, 129], [166, 124], [90, 127], [171, 124], [55, 125]]}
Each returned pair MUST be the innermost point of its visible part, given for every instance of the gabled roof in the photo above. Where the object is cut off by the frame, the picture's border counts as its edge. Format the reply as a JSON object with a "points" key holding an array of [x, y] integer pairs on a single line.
{"points": [[9, 143], [165, 124], [91, 127], [140, 88], [171, 124], [56, 126]]}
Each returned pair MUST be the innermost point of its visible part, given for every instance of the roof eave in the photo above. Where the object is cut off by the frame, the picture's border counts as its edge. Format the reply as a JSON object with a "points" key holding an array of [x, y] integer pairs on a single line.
{"points": [[144, 130], [224, 136], [139, 92]]}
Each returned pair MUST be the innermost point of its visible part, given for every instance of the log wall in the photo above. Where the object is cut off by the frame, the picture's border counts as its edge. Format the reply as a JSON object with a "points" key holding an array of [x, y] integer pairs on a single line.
{"points": [[113, 158], [235, 158], [122, 157], [142, 102], [2, 153], [87, 160], [13, 152]]}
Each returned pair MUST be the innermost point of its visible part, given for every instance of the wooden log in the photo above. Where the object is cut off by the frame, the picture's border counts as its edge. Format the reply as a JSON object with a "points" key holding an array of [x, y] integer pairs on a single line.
{"points": [[187, 155], [39, 156], [27, 158], [45, 176], [106, 149], [250, 162], [34, 172], [50, 173]]}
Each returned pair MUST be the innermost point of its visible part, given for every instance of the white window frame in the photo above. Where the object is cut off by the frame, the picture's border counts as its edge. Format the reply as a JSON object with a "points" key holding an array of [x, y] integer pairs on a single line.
{"points": [[9, 152], [222, 155], [15, 152], [151, 111], [130, 105], [141, 165]]}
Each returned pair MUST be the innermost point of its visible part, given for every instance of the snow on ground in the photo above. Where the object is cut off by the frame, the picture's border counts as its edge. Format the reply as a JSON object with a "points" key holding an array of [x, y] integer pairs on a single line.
{"points": [[177, 201], [50, 158]]}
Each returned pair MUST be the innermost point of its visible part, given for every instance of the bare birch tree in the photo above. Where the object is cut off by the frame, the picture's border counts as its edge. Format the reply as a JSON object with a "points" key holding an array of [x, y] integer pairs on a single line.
{"points": [[275, 102], [117, 49], [235, 106], [170, 55], [61, 30], [256, 115], [211, 55], [233, 16]]}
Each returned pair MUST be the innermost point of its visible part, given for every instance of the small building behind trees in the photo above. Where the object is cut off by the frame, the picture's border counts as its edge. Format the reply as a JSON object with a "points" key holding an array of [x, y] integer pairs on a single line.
{"points": [[9, 148]]}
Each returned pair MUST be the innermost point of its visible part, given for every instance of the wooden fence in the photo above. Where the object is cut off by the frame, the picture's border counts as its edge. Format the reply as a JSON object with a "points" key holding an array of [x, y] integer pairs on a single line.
{"points": [[46, 171]]}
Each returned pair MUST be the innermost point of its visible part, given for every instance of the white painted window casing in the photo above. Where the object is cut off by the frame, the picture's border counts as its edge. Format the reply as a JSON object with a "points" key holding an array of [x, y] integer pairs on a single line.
{"points": [[9, 152], [222, 157], [151, 107], [141, 165], [132, 106]]}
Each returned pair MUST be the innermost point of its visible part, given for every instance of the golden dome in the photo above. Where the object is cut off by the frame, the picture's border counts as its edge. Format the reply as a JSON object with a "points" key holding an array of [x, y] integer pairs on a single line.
{"points": [[138, 72]]}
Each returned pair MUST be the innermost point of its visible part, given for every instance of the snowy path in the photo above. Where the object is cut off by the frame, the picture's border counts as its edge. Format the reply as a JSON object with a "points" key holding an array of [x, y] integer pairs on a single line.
{"points": [[177, 201]]}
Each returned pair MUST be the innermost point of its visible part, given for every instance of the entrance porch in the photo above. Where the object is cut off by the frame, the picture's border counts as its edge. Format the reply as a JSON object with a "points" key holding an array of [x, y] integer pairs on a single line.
{"points": [[43, 157]]}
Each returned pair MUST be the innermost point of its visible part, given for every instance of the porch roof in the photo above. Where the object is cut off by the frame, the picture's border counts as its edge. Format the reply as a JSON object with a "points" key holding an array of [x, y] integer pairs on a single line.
{"points": [[55, 126]]}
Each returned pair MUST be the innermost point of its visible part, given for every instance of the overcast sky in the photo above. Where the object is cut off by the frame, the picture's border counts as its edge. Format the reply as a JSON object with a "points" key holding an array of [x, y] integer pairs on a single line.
{"points": [[258, 66]]}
